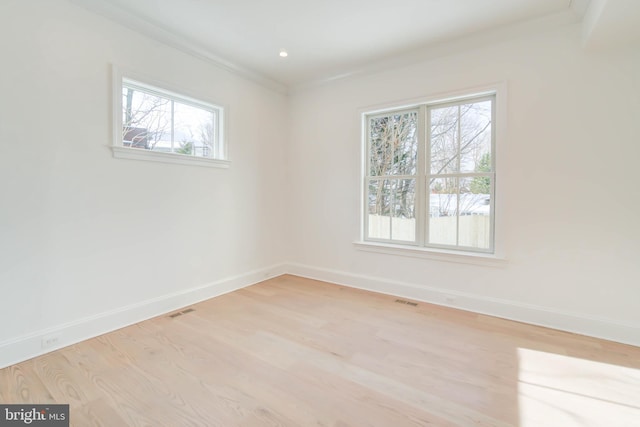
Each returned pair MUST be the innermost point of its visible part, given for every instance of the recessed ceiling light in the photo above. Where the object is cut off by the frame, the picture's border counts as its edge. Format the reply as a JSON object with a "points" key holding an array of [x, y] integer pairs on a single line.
{"points": [[283, 53]]}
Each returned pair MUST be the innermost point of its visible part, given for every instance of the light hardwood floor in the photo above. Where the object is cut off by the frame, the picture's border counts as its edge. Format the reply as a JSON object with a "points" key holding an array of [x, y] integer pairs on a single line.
{"points": [[298, 352]]}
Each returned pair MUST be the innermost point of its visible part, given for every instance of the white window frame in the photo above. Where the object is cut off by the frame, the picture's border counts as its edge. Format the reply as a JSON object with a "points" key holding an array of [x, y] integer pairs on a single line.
{"points": [[495, 256], [167, 91]]}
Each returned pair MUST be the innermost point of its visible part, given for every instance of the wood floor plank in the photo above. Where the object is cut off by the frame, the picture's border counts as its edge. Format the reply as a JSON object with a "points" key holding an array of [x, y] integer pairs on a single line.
{"points": [[294, 352], [22, 384]]}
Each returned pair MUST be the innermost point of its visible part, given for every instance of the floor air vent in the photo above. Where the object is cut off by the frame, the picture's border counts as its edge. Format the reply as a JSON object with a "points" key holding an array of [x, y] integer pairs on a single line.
{"points": [[401, 301], [180, 313]]}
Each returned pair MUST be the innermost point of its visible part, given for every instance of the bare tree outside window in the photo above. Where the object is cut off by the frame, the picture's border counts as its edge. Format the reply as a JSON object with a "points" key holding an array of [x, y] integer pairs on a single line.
{"points": [[154, 122], [457, 167], [146, 119], [392, 168], [460, 143]]}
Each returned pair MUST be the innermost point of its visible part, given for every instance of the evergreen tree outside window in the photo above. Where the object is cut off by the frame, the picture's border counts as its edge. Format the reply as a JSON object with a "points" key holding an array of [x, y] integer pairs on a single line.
{"points": [[430, 175]]}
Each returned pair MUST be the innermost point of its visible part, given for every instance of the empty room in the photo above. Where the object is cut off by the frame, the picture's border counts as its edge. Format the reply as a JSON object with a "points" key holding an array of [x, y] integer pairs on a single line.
{"points": [[339, 213]]}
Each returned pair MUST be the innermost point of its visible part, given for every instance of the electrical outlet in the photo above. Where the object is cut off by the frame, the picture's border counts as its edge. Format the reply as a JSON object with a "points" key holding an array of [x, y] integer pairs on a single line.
{"points": [[50, 341]]}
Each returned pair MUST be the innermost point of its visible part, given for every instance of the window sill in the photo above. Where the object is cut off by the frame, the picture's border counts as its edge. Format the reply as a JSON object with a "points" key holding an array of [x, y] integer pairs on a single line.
{"points": [[475, 258], [180, 159]]}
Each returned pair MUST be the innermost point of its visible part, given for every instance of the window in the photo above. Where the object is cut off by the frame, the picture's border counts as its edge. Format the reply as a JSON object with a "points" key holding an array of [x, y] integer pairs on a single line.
{"points": [[430, 175], [159, 125]]}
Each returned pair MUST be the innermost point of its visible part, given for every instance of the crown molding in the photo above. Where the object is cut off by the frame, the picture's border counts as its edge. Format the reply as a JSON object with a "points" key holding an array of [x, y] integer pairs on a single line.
{"points": [[157, 32], [572, 15]]}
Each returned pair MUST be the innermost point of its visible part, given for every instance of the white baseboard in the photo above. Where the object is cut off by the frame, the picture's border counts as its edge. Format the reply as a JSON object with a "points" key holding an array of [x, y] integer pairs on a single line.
{"points": [[28, 346], [570, 322]]}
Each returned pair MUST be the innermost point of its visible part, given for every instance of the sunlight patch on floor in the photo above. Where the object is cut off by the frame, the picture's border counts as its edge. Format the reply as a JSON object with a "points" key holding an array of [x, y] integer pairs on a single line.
{"points": [[557, 390]]}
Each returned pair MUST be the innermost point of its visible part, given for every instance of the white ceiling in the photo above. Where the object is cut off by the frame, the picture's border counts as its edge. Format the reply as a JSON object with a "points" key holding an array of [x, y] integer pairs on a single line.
{"points": [[326, 38]]}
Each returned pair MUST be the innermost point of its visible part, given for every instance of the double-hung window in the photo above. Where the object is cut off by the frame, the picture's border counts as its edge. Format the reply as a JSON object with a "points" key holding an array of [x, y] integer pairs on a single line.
{"points": [[153, 123], [430, 174]]}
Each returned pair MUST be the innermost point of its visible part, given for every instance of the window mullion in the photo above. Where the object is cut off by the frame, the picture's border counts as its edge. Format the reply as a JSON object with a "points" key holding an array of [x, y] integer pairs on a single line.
{"points": [[215, 146], [366, 164], [458, 179], [393, 187], [492, 196], [422, 170], [457, 211], [173, 150], [459, 151]]}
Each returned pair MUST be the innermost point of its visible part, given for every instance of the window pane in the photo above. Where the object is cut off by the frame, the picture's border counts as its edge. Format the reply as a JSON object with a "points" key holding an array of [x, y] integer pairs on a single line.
{"points": [[475, 137], [456, 166], [475, 212], [194, 131], [443, 211], [393, 142], [146, 120], [392, 209], [403, 223], [379, 199], [444, 139]]}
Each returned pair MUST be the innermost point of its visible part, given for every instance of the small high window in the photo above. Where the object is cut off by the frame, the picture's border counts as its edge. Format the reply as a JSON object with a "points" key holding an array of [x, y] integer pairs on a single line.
{"points": [[161, 125]]}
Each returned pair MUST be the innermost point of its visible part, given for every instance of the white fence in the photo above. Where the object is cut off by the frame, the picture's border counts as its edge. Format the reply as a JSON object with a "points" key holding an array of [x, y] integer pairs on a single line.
{"points": [[474, 230]]}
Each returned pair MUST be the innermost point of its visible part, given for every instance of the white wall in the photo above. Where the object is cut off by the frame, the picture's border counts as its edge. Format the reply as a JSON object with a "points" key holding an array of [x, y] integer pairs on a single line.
{"points": [[89, 242], [571, 202]]}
